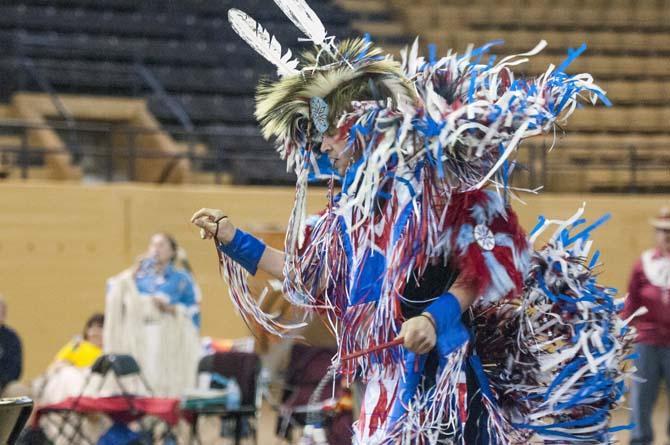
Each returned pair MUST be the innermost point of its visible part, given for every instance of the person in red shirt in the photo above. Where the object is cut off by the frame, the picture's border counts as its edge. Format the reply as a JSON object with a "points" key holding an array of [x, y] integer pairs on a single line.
{"points": [[650, 288]]}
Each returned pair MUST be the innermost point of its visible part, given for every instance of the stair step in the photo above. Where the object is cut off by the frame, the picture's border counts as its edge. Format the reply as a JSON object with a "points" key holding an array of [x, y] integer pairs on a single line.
{"points": [[8, 141], [6, 111]]}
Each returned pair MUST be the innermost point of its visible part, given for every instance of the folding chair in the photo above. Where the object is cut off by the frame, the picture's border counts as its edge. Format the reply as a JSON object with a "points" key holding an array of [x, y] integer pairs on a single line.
{"points": [[14, 414], [245, 368], [307, 384], [118, 365]]}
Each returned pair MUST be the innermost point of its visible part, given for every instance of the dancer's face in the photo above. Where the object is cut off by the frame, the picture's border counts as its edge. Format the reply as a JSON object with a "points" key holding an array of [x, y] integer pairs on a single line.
{"points": [[160, 249], [335, 148], [663, 240]]}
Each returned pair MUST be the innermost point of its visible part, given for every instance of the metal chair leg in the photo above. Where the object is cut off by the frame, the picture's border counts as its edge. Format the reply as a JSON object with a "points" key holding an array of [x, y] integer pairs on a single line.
{"points": [[195, 434], [238, 429]]}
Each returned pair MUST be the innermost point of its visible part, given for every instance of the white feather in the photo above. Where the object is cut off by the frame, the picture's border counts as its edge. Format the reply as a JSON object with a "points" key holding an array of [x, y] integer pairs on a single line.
{"points": [[412, 63], [305, 19], [260, 40]]}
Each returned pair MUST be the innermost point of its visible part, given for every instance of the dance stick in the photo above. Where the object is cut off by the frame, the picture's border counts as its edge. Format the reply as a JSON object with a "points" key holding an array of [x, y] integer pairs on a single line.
{"points": [[397, 342]]}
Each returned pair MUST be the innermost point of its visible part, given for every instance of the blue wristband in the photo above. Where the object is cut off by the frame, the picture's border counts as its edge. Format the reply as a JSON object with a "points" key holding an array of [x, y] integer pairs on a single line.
{"points": [[445, 310], [245, 249], [451, 333]]}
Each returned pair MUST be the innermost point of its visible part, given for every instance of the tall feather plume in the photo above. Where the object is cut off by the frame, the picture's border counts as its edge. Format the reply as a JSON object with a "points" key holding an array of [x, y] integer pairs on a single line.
{"points": [[260, 40], [305, 19]]}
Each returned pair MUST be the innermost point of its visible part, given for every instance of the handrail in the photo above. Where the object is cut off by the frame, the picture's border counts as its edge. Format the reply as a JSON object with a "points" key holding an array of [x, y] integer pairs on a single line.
{"points": [[71, 138], [102, 127], [138, 70], [27, 64], [138, 153], [637, 158], [170, 102]]}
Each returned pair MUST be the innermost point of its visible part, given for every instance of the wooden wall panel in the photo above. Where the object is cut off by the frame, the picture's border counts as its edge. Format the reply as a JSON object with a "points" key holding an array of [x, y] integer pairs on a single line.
{"points": [[60, 243], [58, 246]]}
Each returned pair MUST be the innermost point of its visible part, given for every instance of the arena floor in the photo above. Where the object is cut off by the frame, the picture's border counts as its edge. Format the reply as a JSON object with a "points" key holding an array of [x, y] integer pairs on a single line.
{"points": [[661, 415], [267, 425]]}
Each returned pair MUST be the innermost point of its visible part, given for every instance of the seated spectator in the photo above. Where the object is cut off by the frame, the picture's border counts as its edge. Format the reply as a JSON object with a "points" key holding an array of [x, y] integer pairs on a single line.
{"points": [[83, 350], [66, 377], [11, 355], [67, 373]]}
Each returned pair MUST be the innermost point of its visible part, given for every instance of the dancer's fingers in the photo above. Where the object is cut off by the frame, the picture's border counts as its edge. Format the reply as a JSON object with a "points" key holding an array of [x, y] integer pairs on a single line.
{"points": [[199, 214], [212, 214], [423, 345], [206, 225], [426, 347], [422, 348], [201, 220], [411, 340], [418, 348], [419, 341]]}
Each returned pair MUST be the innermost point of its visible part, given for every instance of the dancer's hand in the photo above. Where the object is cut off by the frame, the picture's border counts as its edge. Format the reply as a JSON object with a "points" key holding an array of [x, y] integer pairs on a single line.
{"points": [[419, 334], [206, 220]]}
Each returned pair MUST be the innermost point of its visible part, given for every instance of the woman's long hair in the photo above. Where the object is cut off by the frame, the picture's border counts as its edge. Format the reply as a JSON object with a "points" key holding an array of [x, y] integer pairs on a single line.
{"points": [[179, 257]]}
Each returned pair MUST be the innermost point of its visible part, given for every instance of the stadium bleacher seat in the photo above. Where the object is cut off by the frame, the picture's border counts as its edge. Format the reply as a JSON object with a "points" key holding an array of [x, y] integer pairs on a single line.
{"points": [[628, 49], [86, 47], [208, 108]]}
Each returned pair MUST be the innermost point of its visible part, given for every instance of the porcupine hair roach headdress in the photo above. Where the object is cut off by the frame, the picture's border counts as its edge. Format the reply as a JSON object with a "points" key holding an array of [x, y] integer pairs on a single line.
{"points": [[314, 90]]}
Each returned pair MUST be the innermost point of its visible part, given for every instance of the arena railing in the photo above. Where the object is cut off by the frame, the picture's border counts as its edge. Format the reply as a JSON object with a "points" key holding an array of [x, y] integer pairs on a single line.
{"points": [[634, 162], [214, 160]]}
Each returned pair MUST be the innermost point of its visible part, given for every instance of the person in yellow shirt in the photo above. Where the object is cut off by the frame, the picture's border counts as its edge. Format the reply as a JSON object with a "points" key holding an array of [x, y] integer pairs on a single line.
{"points": [[83, 351], [67, 372]]}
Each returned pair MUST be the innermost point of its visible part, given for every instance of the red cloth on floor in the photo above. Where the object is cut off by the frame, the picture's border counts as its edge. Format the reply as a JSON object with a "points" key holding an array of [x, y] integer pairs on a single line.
{"points": [[119, 408]]}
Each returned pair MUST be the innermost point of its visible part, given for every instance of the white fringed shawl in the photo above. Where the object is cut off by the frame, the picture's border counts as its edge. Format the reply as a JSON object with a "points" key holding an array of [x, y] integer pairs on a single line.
{"points": [[171, 368]]}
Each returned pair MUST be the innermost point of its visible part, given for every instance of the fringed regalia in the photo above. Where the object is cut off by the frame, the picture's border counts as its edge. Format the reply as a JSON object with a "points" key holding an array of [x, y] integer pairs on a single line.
{"points": [[426, 201]]}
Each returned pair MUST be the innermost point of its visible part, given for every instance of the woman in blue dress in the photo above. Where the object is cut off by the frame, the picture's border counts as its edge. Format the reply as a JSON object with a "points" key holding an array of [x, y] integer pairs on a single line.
{"points": [[165, 275], [153, 313]]}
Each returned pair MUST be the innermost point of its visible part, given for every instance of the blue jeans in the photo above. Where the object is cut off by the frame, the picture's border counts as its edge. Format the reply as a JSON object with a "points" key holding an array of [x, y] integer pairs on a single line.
{"points": [[653, 365]]}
